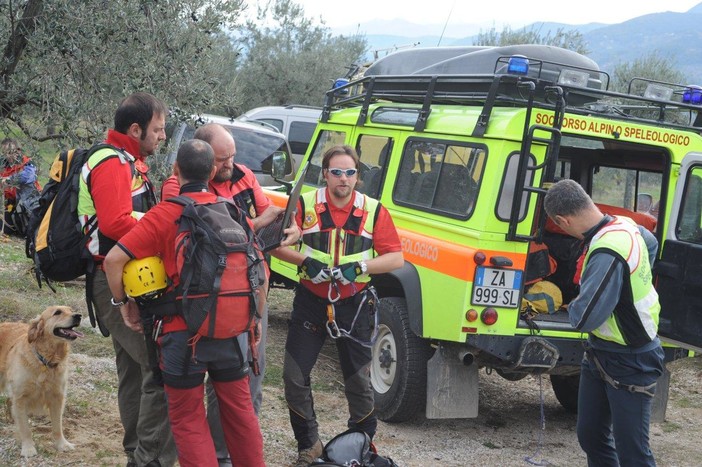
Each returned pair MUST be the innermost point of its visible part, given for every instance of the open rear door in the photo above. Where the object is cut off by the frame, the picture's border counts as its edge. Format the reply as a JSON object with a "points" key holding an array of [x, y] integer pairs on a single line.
{"points": [[679, 270]]}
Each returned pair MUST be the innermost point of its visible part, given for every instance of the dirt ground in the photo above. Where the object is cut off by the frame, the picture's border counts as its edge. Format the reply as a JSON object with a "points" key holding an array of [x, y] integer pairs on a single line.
{"points": [[507, 432]]}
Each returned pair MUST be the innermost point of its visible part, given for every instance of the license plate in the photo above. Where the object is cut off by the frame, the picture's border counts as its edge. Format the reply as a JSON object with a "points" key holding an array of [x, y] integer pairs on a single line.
{"points": [[497, 287]]}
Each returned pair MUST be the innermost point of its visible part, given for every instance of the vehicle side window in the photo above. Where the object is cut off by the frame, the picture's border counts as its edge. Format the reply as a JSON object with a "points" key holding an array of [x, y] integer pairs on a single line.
{"points": [[635, 191], [689, 228], [276, 122], [300, 135], [253, 148], [504, 202], [325, 140], [440, 177], [373, 152]]}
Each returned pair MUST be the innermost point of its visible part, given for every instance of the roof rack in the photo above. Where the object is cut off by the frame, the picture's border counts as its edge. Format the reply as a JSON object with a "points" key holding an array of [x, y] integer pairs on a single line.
{"points": [[589, 96]]}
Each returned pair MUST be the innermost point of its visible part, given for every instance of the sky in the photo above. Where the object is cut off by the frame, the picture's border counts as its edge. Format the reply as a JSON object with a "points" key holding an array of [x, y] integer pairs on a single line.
{"points": [[500, 13]]}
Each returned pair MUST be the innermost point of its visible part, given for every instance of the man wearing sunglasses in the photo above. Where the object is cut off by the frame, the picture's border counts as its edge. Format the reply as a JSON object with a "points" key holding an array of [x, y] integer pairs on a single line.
{"points": [[346, 236]]}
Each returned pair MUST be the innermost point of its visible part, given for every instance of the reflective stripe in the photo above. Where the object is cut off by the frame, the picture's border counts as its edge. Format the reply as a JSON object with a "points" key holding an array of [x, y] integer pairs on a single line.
{"points": [[140, 191], [332, 245], [623, 237]]}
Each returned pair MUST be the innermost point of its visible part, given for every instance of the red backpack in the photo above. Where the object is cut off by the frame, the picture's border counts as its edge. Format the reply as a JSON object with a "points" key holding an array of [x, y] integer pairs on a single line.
{"points": [[221, 268]]}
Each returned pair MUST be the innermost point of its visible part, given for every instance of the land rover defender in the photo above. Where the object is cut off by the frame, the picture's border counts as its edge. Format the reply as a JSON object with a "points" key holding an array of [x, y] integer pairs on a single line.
{"points": [[461, 144]]}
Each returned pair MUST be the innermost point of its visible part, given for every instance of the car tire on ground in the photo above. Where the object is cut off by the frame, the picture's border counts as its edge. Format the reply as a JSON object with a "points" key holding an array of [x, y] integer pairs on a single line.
{"points": [[566, 390], [399, 364]]}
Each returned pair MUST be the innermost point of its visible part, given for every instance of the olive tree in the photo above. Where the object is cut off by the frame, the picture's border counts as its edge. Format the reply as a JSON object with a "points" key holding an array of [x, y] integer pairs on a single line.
{"points": [[653, 66], [67, 64], [566, 39], [288, 58]]}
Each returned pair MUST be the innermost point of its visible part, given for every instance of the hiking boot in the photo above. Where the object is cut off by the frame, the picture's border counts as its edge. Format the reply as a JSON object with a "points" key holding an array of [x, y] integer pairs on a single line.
{"points": [[309, 455]]}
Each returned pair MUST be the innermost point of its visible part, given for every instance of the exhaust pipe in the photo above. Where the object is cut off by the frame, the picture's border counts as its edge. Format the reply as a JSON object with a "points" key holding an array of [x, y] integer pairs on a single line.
{"points": [[466, 357]]}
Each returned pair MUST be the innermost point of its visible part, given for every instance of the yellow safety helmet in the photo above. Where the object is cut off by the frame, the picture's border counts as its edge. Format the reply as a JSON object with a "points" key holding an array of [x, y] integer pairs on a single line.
{"points": [[145, 278]]}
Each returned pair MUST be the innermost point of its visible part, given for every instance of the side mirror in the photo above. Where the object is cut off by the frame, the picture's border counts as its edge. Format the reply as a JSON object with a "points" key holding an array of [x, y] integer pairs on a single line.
{"points": [[280, 164], [276, 165]]}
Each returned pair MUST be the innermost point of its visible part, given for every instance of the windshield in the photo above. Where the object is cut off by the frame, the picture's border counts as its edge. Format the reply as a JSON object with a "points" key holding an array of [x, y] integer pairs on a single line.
{"points": [[253, 149]]}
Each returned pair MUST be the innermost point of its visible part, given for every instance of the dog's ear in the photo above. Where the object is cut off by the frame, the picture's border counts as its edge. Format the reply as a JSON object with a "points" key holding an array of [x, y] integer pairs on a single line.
{"points": [[36, 329]]}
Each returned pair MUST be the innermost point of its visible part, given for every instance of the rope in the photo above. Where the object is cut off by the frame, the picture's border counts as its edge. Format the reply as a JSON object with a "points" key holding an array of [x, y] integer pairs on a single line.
{"points": [[540, 438]]}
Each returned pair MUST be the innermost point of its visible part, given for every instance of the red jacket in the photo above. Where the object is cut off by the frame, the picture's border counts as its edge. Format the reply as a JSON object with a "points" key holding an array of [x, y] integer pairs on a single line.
{"points": [[113, 192]]}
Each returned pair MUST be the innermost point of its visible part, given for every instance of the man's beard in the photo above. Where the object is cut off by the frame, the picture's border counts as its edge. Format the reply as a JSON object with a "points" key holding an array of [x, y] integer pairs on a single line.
{"points": [[223, 175]]}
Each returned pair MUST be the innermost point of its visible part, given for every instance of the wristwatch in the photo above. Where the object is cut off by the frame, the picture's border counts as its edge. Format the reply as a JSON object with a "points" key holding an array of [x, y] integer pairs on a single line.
{"points": [[119, 303], [364, 267]]}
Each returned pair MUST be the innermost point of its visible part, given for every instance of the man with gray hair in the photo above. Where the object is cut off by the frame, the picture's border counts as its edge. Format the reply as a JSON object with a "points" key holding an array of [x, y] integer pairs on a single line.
{"points": [[618, 306]]}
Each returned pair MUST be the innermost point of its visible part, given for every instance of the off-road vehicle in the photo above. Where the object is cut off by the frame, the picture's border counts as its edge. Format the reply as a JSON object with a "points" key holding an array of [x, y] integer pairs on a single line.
{"points": [[460, 144]]}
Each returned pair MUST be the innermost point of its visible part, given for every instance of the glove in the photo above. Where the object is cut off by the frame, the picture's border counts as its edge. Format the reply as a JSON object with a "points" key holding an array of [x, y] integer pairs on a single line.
{"points": [[315, 270], [347, 273]]}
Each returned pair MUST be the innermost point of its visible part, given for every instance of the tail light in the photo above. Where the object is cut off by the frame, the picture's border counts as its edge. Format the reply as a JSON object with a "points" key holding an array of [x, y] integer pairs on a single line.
{"points": [[488, 316]]}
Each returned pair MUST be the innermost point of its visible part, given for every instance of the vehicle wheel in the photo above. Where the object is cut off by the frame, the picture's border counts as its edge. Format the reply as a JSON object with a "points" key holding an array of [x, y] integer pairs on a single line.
{"points": [[399, 365], [511, 375], [566, 390]]}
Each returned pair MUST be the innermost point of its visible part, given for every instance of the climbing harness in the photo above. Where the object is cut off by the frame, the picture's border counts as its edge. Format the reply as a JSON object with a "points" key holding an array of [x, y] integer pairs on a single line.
{"points": [[647, 390], [333, 328]]}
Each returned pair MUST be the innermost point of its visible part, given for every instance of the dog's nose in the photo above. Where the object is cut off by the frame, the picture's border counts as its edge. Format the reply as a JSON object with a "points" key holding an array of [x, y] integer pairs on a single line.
{"points": [[77, 316]]}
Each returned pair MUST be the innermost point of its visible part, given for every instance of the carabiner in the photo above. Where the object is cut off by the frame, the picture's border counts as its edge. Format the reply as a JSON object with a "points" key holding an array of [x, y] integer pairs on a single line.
{"points": [[332, 328], [333, 286]]}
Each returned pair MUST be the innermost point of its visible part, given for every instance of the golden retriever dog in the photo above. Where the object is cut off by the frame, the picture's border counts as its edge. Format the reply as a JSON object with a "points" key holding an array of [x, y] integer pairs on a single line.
{"points": [[33, 370]]}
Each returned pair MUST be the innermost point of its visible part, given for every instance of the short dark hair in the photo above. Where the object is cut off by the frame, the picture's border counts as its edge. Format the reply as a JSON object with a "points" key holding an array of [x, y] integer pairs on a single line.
{"points": [[139, 108], [566, 198], [195, 160], [337, 150]]}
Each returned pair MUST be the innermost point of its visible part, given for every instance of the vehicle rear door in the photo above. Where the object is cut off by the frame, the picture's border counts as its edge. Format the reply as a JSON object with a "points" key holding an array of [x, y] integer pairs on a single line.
{"points": [[679, 269]]}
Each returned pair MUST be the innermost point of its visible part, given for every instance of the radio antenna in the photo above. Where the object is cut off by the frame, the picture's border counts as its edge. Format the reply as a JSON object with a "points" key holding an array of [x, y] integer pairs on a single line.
{"points": [[446, 23]]}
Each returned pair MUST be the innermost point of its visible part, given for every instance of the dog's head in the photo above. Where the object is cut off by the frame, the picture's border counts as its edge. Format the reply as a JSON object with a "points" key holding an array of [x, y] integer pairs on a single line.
{"points": [[58, 321]]}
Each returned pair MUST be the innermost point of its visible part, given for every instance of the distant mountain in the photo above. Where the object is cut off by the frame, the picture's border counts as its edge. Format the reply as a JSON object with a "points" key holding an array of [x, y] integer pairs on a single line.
{"points": [[674, 35]]}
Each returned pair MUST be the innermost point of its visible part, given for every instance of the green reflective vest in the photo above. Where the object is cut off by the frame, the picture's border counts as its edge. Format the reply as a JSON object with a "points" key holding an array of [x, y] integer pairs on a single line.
{"points": [[332, 245], [635, 318]]}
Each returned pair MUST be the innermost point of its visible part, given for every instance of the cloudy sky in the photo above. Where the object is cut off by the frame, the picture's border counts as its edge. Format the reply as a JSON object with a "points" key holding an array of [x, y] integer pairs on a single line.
{"points": [[355, 13]]}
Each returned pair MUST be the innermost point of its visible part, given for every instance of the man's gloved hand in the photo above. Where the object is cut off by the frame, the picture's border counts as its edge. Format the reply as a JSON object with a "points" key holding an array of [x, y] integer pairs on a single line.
{"points": [[315, 270], [347, 273]]}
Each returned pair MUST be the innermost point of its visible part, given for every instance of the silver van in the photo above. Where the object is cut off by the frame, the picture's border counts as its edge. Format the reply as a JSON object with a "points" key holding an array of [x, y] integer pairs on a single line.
{"points": [[296, 122], [255, 145]]}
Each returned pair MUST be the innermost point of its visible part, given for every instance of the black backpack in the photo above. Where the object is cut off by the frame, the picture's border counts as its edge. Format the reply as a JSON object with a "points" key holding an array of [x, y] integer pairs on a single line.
{"points": [[353, 447], [55, 239]]}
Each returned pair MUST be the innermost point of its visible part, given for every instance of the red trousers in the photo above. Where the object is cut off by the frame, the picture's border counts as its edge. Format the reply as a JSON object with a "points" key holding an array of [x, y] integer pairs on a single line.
{"points": [[242, 433]]}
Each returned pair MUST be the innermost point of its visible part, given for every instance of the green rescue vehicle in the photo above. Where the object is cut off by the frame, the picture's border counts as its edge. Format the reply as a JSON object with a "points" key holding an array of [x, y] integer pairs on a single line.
{"points": [[460, 144]]}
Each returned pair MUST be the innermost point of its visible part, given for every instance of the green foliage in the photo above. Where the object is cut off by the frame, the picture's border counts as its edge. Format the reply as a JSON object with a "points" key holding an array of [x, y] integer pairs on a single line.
{"points": [[290, 59], [571, 40], [652, 66], [82, 58]]}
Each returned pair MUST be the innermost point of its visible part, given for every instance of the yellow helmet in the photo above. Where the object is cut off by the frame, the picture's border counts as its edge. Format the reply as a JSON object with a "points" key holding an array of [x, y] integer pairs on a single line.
{"points": [[145, 278]]}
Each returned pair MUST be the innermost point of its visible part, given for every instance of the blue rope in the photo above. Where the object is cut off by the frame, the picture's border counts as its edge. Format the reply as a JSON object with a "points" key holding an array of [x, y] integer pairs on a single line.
{"points": [[540, 438]]}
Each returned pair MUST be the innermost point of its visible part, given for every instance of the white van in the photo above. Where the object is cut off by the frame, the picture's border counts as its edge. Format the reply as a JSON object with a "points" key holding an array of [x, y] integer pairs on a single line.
{"points": [[296, 122]]}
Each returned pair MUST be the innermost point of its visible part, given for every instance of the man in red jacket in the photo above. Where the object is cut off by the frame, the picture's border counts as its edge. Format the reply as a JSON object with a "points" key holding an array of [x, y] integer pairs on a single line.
{"points": [[238, 183], [115, 192], [184, 371]]}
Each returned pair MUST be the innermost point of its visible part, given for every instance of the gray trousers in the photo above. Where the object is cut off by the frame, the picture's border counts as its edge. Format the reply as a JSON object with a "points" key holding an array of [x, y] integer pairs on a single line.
{"points": [[255, 386], [142, 402]]}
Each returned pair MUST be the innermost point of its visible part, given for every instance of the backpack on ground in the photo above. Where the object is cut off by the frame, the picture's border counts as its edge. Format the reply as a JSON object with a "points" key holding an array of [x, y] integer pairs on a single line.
{"points": [[354, 448], [221, 268]]}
